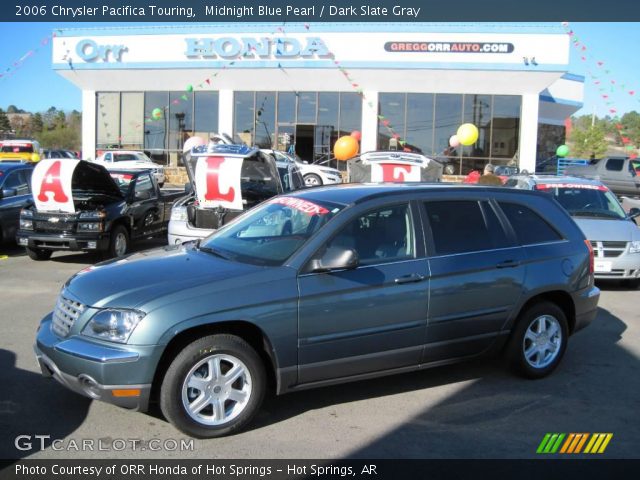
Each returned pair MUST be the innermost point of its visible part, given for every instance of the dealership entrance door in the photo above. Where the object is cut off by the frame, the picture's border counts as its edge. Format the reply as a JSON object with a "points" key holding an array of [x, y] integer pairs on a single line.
{"points": [[310, 142]]}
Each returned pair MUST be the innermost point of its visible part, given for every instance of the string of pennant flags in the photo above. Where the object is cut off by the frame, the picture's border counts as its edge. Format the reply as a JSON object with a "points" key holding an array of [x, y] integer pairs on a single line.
{"points": [[12, 68], [606, 85]]}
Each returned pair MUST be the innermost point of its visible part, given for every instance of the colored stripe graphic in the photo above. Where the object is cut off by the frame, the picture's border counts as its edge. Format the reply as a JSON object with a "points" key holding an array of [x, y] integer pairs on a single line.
{"points": [[574, 443]]}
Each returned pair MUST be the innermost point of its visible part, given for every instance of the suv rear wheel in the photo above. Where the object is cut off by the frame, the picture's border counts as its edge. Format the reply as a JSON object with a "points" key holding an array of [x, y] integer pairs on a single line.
{"points": [[539, 340], [213, 387]]}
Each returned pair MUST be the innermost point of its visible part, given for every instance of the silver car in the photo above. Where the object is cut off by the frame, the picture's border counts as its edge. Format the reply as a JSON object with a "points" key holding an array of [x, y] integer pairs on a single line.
{"points": [[613, 234]]}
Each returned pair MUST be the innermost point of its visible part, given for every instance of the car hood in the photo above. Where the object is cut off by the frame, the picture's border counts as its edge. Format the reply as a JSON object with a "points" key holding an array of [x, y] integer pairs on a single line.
{"points": [[138, 279], [608, 230]]}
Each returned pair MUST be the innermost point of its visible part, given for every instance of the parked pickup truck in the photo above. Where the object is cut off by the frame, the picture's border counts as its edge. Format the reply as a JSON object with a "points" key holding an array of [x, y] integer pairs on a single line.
{"points": [[620, 174], [80, 206]]}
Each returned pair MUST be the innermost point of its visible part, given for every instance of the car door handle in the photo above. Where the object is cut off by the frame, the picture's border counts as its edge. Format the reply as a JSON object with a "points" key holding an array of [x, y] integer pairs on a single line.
{"points": [[508, 264], [412, 278]]}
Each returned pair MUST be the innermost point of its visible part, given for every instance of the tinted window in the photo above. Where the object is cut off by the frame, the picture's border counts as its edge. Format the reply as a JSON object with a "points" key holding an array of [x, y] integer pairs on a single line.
{"points": [[615, 164], [379, 236], [18, 181], [461, 226], [529, 227], [260, 179], [17, 149]]}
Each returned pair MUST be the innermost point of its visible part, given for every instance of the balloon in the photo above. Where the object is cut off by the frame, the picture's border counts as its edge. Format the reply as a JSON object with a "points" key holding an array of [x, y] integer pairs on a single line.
{"points": [[562, 151], [193, 142], [467, 134], [454, 141], [357, 135], [156, 113], [189, 88], [345, 148]]}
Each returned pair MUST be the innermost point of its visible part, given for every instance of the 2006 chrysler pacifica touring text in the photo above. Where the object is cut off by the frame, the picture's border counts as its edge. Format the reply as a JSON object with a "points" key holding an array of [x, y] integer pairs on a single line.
{"points": [[324, 286]]}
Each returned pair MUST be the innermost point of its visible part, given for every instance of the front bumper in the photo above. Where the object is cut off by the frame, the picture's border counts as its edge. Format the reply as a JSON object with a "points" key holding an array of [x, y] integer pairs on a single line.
{"points": [[623, 267], [120, 375], [61, 242]]}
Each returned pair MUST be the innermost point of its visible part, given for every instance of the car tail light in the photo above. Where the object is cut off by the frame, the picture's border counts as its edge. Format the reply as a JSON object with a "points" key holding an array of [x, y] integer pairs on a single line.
{"points": [[591, 256]]}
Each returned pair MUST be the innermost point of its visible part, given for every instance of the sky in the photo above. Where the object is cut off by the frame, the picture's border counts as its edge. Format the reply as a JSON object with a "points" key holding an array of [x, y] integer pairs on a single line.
{"points": [[35, 86]]}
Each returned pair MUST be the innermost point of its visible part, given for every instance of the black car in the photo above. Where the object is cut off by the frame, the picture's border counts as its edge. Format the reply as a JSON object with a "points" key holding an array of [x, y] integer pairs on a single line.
{"points": [[15, 194], [104, 210]]}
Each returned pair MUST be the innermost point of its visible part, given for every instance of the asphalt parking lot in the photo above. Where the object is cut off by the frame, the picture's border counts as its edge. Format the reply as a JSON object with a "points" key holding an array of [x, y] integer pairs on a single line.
{"points": [[472, 410]]}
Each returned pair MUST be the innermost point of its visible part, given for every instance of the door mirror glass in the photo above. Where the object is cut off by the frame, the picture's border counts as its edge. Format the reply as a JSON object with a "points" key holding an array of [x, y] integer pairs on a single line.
{"points": [[634, 212], [335, 258]]}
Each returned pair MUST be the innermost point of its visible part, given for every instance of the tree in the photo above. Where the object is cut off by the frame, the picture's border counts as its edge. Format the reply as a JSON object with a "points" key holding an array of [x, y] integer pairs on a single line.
{"points": [[5, 126], [631, 127], [589, 141], [60, 120], [36, 123]]}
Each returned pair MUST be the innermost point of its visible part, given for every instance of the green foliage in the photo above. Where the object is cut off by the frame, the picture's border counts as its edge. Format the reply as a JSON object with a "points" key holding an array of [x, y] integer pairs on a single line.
{"points": [[37, 124], [60, 137], [588, 141], [631, 127], [5, 126]]}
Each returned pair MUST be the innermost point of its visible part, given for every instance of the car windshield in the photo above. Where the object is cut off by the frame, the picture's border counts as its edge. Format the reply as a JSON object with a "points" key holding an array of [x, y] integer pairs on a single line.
{"points": [[128, 157], [272, 232], [587, 201]]}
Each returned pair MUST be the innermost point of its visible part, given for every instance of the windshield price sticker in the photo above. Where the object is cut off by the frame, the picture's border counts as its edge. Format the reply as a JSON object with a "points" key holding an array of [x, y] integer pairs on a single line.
{"points": [[548, 186], [304, 206], [51, 184]]}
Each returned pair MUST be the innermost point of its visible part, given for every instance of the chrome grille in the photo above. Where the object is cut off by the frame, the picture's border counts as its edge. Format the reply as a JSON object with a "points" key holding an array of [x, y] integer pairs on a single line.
{"points": [[65, 314], [608, 249], [41, 226]]}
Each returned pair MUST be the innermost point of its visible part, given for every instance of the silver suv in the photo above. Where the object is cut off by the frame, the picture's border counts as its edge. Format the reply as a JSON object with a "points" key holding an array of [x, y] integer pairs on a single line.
{"points": [[613, 234]]}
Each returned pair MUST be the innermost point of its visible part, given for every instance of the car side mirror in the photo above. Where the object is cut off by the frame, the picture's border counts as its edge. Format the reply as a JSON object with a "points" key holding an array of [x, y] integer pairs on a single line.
{"points": [[335, 258], [633, 213], [8, 192]]}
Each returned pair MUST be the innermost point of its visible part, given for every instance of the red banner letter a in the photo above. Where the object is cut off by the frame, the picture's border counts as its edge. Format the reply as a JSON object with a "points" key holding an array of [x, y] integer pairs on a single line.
{"points": [[51, 183]]}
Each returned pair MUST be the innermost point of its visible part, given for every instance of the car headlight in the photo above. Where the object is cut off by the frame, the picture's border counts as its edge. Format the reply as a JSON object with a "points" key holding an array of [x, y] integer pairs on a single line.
{"points": [[26, 213], [179, 214], [330, 171], [90, 226], [93, 215], [26, 224], [113, 325], [634, 247]]}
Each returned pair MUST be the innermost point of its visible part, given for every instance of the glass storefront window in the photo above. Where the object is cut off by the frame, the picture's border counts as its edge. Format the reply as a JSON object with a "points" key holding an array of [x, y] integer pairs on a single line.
{"points": [[477, 110], [244, 116], [350, 113], [286, 107], [419, 130], [448, 117], [505, 126], [180, 122], [393, 107], [108, 120], [155, 131], [307, 103], [265, 119], [131, 120], [205, 116]]}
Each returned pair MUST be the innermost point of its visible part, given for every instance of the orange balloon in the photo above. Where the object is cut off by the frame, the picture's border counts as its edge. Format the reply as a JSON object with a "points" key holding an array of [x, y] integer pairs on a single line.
{"points": [[345, 148]]}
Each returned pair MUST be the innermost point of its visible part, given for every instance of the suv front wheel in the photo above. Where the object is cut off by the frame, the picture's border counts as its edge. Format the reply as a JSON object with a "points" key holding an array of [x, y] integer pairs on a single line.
{"points": [[213, 387], [539, 340]]}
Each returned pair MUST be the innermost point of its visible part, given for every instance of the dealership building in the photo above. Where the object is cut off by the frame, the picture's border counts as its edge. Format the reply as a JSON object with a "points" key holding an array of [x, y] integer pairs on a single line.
{"points": [[299, 87]]}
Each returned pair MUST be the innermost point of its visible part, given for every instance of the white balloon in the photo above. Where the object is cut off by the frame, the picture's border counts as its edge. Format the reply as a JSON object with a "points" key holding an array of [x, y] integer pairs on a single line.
{"points": [[193, 142]]}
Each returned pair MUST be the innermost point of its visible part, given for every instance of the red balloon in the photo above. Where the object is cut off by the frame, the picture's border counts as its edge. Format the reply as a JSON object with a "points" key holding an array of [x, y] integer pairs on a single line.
{"points": [[357, 135]]}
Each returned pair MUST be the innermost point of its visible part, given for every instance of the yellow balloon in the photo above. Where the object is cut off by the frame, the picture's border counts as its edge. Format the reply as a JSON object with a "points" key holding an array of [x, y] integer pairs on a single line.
{"points": [[467, 134], [345, 148]]}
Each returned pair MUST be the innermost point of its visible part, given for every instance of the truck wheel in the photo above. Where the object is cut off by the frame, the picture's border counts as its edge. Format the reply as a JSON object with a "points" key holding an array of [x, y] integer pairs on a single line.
{"points": [[538, 341], [119, 244], [312, 180], [213, 387], [38, 253]]}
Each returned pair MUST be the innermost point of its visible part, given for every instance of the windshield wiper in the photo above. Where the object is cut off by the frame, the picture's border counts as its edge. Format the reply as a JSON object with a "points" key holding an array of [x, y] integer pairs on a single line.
{"points": [[591, 213], [213, 251]]}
